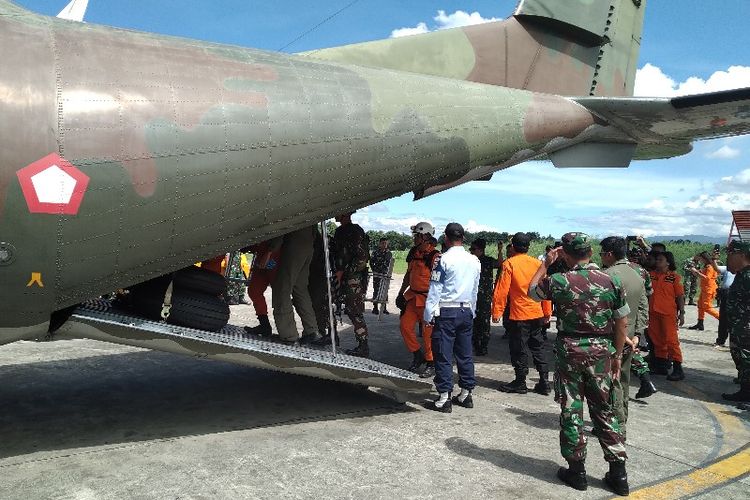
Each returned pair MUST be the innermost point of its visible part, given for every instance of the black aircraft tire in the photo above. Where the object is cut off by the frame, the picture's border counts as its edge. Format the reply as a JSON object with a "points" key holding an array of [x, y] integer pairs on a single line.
{"points": [[199, 311], [200, 280]]}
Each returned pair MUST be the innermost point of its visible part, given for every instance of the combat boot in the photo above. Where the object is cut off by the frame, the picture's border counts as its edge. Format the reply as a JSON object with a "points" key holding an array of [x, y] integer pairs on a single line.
{"points": [[659, 366], [429, 370], [518, 386], [263, 329], [617, 478], [741, 396], [542, 387], [417, 361], [647, 387], [574, 476], [325, 340], [697, 326], [375, 309], [362, 350], [677, 373]]}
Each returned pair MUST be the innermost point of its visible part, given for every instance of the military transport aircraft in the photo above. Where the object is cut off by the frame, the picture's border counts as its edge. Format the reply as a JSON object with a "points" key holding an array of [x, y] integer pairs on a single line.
{"points": [[125, 156]]}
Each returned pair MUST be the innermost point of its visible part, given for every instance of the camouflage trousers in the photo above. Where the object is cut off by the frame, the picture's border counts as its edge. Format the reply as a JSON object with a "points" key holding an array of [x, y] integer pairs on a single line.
{"points": [[353, 293], [740, 350], [638, 365], [236, 290], [481, 333], [583, 370]]}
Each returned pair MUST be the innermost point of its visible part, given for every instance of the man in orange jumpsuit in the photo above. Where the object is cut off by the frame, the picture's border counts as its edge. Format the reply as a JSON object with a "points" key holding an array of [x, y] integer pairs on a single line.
{"points": [[528, 318], [265, 266], [666, 311], [708, 289], [413, 294]]}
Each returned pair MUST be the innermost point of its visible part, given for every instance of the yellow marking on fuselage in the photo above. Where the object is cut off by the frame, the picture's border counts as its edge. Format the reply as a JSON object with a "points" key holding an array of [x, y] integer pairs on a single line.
{"points": [[36, 279]]}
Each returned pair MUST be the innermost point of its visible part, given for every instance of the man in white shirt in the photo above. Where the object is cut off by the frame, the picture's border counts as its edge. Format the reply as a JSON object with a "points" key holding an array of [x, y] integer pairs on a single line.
{"points": [[451, 306]]}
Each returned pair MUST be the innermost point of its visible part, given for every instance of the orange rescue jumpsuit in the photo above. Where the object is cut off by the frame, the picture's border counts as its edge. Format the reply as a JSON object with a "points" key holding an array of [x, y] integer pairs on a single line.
{"points": [[708, 293], [662, 322], [265, 266], [416, 296]]}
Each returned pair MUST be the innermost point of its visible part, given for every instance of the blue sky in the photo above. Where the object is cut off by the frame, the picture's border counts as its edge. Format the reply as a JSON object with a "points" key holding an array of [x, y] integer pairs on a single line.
{"points": [[700, 46]]}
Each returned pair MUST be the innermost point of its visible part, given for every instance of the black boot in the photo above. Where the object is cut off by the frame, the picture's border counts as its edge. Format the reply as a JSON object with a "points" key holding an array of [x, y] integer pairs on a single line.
{"points": [[385, 310], [697, 326], [574, 476], [647, 387], [659, 366], [542, 387], [617, 478], [518, 386], [677, 373], [362, 350], [325, 340], [263, 329], [375, 310], [741, 396], [429, 370], [417, 361]]}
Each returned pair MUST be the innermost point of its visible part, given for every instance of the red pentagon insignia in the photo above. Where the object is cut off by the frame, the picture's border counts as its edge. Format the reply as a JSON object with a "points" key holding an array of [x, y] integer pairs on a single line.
{"points": [[53, 185]]}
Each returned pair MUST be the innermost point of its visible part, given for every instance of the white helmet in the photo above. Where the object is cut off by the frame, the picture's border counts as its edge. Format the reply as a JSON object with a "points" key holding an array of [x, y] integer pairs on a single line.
{"points": [[423, 228]]}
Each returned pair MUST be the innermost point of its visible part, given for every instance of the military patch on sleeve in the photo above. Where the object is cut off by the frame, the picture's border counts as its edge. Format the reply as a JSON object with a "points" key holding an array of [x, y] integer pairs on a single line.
{"points": [[669, 278], [437, 272]]}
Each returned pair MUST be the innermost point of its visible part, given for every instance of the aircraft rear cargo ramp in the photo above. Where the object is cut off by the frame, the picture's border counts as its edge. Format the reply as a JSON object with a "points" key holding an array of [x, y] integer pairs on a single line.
{"points": [[99, 321]]}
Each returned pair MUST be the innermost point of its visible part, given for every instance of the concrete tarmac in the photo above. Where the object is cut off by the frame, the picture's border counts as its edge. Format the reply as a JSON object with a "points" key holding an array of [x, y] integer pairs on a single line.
{"points": [[88, 420]]}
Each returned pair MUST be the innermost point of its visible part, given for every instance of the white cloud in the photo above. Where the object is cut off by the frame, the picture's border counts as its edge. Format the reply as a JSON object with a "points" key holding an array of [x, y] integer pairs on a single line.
{"points": [[737, 182], [726, 152], [651, 81], [444, 21], [460, 18], [474, 227], [416, 30]]}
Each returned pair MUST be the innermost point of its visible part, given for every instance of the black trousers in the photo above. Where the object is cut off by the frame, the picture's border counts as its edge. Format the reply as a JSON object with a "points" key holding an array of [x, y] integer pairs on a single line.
{"points": [[528, 336], [723, 333]]}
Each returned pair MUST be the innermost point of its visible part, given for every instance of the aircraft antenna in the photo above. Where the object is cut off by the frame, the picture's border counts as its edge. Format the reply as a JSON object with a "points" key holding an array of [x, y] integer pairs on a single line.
{"points": [[321, 23]]}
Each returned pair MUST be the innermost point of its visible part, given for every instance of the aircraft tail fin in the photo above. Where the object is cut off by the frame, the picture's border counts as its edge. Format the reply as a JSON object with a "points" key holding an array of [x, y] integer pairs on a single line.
{"points": [[74, 11], [571, 47]]}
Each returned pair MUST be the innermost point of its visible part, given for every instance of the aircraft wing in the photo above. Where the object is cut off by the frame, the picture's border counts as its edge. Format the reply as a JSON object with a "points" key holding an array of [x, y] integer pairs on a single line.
{"points": [[664, 127]]}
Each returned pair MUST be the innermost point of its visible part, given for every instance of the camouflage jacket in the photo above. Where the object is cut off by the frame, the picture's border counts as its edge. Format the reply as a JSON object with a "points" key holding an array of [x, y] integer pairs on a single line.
{"points": [[351, 249], [587, 300], [687, 265], [380, 260], [487, 278], [737, 308]]}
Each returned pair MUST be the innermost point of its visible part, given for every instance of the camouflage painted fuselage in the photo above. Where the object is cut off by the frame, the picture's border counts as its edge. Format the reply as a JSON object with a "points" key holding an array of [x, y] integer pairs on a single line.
{"points": [[194, 148]]}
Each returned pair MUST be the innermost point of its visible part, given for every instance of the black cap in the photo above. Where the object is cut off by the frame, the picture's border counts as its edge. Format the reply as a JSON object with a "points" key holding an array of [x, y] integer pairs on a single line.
{"points": [[454, 231], [479, 243], [521, 241]]}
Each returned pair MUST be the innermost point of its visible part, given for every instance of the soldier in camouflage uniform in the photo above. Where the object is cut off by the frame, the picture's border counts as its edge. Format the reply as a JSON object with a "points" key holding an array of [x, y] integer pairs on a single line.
{"points": [[481, 334], [236, 289], [352, 253], [738, 316], [690, 280], [380, 261], [592, 333]]}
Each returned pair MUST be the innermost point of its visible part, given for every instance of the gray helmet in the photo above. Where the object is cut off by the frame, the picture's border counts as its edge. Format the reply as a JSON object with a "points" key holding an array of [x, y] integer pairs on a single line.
{"points": [[423, 228]]}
